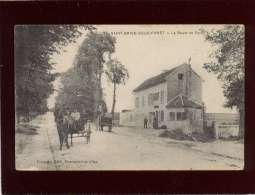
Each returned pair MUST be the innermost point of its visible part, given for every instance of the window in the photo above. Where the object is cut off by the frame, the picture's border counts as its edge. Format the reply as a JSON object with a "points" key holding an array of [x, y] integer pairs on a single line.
{"points": [[143, 101], [152, 97], [171, 116], [162, 115], [180, 76], [137, 102], [162, 97], [155, 96], [184, 115], [181, 116]]}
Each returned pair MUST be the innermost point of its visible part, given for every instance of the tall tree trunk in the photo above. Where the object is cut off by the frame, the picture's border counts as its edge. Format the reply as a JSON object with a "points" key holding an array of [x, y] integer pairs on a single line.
{"points": [[114, 101]]}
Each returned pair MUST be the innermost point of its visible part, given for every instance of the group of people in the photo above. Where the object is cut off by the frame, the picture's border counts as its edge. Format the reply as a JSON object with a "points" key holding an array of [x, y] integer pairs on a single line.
{"points": [[154, 124]]}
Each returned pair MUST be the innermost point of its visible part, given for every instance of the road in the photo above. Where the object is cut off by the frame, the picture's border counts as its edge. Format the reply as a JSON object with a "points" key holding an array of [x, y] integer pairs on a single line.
{"points": [[123, 149]]}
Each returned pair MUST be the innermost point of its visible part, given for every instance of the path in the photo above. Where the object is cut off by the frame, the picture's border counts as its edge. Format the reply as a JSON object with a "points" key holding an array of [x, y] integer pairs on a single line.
{"points": [[123, 149]]}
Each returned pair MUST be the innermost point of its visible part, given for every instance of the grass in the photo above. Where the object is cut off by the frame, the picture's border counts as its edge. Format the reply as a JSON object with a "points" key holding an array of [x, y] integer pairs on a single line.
{"points": [[27, 129]]}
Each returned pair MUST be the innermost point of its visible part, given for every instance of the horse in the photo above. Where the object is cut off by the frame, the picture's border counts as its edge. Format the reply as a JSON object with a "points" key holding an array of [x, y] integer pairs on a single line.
{"points": [[65, 126], [62, 128]]}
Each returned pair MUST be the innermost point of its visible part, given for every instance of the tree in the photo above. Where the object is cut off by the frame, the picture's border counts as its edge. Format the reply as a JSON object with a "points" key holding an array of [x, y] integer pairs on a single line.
{"points": [[34, 46], [81, 84], [227, 62], [117, 74], [90, 61], [75, 94]]}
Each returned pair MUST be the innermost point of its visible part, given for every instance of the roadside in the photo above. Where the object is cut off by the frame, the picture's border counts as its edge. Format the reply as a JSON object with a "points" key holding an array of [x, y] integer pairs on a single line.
{"points": [[123, 149], [33, 145], [229, 149]]}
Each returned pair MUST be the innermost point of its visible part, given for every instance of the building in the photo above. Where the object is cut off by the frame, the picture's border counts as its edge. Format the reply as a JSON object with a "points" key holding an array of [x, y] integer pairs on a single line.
{"points": [[173, 98]]}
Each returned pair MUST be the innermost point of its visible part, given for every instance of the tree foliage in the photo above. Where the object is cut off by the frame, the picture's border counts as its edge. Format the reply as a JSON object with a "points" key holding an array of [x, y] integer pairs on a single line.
{"points": [[227, 62], [90, 61], [117, 74], [34, 46], [82, 83], [91, 55], [75, 93]]}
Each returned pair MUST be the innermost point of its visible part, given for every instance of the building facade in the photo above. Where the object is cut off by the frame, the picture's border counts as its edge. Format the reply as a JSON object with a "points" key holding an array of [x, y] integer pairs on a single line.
{"points": [[172, 98]]}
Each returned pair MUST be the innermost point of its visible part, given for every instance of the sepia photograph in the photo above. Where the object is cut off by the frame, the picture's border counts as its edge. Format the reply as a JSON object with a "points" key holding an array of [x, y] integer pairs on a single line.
{"points": [[129, 97]]}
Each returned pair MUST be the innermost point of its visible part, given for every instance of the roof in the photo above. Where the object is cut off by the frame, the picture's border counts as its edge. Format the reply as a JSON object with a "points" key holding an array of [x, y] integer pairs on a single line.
{"points": [[181, 101], [154, 80]]}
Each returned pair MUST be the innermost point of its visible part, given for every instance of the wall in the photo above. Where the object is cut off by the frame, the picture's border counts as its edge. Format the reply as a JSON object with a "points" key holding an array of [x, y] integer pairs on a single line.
{"points": [[195, 124], [131, 119], [126, 118], [195, 88], [225, 131], [196, 120], [184, 125], [174, 86], [191, 85], [143, 111], [224, 124]]}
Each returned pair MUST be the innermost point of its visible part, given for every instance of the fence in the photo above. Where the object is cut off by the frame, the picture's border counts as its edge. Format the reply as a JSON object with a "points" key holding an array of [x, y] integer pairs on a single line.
{"points": [[226, 130]]}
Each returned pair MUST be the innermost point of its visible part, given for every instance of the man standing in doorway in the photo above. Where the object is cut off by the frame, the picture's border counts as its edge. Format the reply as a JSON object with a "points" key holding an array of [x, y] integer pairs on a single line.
{"points": [[145, 123]]}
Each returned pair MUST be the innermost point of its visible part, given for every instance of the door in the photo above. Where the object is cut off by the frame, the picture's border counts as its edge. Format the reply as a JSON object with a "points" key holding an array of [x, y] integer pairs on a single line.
{"points": [[157, 118]]}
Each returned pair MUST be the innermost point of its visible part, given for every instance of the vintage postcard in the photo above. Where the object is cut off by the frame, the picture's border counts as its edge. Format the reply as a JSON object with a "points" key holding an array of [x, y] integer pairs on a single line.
{"points": [[129, 97]]}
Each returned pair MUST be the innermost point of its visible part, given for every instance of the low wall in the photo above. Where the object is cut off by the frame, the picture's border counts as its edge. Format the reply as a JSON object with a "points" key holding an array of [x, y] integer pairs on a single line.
{"points": [[184, 125], [131, 119], [225, 131]]}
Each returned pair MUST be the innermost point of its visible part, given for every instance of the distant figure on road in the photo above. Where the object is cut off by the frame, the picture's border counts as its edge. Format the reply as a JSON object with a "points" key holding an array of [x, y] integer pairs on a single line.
{"points": [[145, 123], [155, 123]]}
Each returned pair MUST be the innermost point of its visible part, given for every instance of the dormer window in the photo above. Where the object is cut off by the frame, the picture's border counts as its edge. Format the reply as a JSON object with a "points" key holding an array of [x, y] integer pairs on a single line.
{"points": [[180, 76]]}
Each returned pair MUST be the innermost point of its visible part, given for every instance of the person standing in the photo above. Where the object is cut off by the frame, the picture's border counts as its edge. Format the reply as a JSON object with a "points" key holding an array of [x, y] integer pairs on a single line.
{"points": [[76, 117], [145, 123], [155, 123]]}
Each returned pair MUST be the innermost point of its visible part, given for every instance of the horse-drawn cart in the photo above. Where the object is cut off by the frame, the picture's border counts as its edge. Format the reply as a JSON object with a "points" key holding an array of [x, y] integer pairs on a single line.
{"points": [[82, 132], [106, 120]]}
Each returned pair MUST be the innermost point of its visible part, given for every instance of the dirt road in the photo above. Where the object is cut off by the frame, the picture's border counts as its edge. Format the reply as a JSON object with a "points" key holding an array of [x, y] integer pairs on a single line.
{"points": [[123, 149]]}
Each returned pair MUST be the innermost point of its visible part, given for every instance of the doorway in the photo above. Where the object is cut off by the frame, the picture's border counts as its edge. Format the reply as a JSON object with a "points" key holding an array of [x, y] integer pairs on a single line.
{"points": [[155, 126]]}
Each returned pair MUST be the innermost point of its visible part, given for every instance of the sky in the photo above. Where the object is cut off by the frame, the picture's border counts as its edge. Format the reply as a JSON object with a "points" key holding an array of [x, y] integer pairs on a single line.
{"points": [[147, 50]]}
